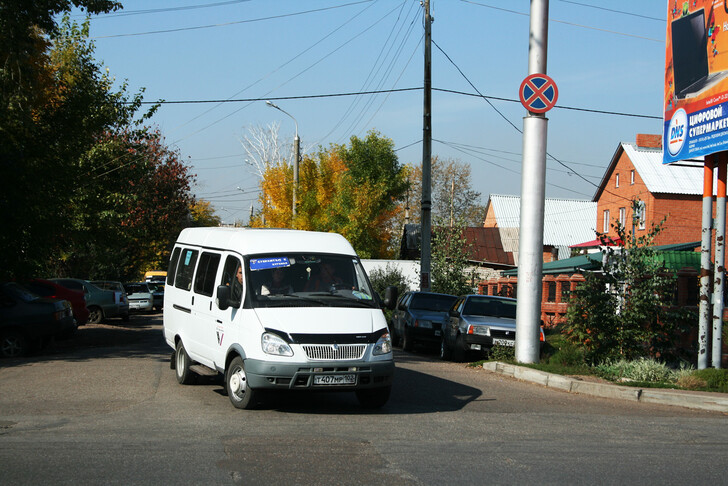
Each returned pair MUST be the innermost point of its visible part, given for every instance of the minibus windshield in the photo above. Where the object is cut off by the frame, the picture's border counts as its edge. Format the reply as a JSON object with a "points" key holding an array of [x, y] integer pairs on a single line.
{"points": [[308, 280]]}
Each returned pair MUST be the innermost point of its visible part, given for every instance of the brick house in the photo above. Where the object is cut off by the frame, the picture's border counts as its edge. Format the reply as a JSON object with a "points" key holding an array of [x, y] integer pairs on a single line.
{"points": [[674, 191], [566, 222]]}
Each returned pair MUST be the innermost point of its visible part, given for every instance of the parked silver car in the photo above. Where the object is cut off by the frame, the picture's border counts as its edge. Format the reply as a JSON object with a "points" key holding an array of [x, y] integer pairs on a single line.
{"points": [[102, 302], [140, 297], [477, 323]]}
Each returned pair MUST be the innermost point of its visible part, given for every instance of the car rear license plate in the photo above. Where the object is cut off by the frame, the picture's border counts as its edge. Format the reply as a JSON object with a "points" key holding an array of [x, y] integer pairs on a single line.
{"points": [[504, 342], [348, 379]]}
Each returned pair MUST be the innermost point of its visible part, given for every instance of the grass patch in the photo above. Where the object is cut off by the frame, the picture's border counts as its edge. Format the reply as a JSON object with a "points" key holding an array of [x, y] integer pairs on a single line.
{"points": [[562, 358]]}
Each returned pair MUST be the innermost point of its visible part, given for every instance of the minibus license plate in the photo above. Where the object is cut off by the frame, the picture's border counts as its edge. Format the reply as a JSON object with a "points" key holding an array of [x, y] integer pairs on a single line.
{"points": [[348, 379]]}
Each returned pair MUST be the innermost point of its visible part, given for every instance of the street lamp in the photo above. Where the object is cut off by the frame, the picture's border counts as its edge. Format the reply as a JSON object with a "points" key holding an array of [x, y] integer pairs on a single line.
{"points": [[296, 152]]}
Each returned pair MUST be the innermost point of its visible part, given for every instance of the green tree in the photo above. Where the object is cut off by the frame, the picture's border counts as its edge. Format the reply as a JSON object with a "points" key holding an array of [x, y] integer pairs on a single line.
{"points": [[203, 214], [354, 190], [56, 103], [625, 312], [450, 259]]}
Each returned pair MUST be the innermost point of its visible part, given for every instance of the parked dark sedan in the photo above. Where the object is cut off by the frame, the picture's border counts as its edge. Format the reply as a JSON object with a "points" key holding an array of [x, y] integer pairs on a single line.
{"points": [[477, 323], [418, 318], [53, 290], [28, 320]]}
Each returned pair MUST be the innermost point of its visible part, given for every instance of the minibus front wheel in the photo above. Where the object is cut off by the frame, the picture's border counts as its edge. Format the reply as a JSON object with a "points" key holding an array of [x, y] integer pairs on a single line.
{"points": [[236, 381]]}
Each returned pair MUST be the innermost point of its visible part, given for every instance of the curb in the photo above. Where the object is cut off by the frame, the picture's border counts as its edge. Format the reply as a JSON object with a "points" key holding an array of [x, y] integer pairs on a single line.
{"points": [[717, 402]]}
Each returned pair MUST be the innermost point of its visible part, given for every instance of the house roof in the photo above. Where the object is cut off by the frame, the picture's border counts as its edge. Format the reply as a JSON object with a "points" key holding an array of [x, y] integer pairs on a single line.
{"points": [[566, 221], [684, 177], [568, 265], [673, 256], [485, 246]]}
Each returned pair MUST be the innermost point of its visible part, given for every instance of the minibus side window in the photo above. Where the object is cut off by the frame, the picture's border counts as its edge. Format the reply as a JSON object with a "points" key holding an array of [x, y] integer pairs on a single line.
{"points": [[172, 268], [206, 271], [232, 276], [185, 269]]}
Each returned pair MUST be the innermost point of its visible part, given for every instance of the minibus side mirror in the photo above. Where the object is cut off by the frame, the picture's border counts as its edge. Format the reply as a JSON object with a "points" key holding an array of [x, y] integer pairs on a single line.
{"points": [[390, 297], [223, 297]]}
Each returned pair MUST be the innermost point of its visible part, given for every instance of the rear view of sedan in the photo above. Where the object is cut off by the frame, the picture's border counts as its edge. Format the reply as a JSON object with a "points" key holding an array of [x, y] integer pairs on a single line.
{"points": [[477, 323], [140, 297]]}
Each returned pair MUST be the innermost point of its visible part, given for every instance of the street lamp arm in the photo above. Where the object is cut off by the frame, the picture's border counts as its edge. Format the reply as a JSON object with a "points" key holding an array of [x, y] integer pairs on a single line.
{"points": [[273, 105]]}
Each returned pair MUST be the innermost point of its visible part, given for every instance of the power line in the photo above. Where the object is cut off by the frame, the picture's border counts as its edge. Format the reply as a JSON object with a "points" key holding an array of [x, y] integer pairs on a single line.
{"points": [[615, 11], [566, 23], [225, 24], [167, 9], [381, 91]]}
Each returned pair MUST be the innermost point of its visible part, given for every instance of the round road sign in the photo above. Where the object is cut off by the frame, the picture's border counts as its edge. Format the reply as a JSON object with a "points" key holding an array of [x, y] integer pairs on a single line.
{"points": [[538, 93]]}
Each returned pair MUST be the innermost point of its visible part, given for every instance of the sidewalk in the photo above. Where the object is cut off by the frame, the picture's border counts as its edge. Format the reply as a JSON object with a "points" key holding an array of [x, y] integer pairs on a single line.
{"points": [[681, 398]]}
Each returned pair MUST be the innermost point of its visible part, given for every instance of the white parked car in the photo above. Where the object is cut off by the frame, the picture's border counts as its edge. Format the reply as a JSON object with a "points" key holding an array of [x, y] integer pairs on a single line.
{"points": [[140, 297]]}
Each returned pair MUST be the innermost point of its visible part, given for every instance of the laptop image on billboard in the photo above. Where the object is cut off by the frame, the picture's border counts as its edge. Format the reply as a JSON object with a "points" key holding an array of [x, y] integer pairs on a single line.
{"points": [[690, 56]]}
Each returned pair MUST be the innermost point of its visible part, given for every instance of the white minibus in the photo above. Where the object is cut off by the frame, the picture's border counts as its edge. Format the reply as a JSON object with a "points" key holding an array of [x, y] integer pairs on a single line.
{"points": [[276, 309]]}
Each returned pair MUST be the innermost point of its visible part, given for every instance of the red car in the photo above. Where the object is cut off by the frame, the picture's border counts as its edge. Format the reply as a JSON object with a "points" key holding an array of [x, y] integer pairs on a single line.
{"points": [[46, 288]]}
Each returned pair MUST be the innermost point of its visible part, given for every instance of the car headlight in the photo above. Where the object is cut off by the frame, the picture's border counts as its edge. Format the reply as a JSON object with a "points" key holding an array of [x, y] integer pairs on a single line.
{"points": [[274, 345], [479, 330], [383, 345]]}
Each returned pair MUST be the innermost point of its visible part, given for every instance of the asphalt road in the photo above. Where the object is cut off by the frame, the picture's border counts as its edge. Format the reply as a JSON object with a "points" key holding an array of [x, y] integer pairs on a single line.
{"points": [[105, 408]]}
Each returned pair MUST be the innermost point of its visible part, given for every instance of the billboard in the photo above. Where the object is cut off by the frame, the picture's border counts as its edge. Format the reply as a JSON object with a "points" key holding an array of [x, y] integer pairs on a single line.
{"points": [[696, 79]]}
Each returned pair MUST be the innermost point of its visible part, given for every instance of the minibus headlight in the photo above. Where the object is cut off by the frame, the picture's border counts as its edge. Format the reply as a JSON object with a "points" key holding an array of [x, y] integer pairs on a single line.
{"points": [[383, 345], [273, 344]]}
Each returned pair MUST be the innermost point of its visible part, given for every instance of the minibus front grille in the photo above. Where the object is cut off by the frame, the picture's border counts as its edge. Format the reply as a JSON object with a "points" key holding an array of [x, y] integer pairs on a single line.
{"points": [[334, 351]]}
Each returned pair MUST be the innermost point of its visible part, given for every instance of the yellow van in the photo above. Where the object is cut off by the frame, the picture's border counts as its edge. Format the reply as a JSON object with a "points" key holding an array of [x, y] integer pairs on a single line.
{"points": [[155, 276]]}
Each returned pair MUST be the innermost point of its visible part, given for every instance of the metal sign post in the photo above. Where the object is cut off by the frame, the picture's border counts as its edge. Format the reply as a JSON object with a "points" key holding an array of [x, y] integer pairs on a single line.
{"points": [[538, 94]]}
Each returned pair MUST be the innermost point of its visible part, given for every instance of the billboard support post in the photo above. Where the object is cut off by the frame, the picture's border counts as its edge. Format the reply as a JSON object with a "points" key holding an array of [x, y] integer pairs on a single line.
{"points": [[719, 272], [705, 270]]}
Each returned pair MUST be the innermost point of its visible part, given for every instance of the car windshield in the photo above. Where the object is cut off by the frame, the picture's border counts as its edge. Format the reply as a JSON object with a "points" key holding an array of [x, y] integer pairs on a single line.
{"points": [[490, 307], [19, 292], [432, 302], [136, 289], [155, 287], [310, 280]]}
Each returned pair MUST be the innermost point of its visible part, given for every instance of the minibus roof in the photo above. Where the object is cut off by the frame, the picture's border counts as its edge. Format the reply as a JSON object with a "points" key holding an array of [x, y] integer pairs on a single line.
{"points": [[252, 241]]}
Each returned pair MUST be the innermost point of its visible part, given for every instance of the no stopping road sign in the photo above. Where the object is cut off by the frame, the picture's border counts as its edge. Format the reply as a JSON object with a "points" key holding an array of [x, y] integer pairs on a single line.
{"points": [[538, 93]]}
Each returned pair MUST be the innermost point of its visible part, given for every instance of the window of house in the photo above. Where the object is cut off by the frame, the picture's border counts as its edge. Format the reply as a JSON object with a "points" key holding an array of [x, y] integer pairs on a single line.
{"points": [[640, 214], [622, 216], [605, 225], [616, 180], [631, 177], [551, 292]]}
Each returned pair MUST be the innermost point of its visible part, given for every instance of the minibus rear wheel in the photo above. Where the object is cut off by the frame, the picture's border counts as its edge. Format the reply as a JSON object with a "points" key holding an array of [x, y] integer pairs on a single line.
{"points": [[185, 376]]}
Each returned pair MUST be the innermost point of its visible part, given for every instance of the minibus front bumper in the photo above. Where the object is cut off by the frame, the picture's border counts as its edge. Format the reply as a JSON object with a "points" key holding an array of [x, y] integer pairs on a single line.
{"points": [[324, 375]]}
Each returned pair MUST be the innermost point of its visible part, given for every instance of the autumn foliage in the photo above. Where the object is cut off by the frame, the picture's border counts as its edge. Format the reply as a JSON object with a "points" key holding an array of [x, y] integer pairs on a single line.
{"points": [[355, 190]]}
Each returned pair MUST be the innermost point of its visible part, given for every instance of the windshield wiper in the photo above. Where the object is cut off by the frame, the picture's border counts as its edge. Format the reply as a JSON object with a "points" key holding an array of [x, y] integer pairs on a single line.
{"points": [[360, 302]]}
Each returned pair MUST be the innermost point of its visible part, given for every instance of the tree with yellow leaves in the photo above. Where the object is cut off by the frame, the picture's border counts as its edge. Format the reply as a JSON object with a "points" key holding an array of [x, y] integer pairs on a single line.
{"points": [[355, 190]]}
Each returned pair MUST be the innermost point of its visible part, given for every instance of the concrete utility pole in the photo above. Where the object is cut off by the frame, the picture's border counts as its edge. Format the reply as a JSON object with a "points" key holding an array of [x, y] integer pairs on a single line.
{"points": [[533, 195], [704, 312], [426, 203], [718, 273], [296, 157]]}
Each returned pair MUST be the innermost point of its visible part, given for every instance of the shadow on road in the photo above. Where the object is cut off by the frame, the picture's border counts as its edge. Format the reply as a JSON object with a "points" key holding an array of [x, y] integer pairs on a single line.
{"points": [[413, 392], [140, 337]]}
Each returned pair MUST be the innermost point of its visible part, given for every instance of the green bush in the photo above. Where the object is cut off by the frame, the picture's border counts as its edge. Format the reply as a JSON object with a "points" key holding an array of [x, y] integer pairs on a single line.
{"points": [[506, 354], [716, 379]]}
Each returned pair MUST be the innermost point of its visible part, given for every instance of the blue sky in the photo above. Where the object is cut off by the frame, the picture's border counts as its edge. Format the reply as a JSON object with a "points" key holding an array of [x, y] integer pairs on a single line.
{"points": [[604, 56]]}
